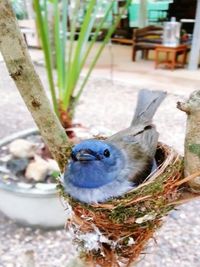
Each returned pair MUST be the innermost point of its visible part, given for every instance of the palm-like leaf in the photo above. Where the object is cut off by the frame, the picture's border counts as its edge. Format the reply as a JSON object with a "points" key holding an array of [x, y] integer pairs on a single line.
{"points": [[71, 55]]}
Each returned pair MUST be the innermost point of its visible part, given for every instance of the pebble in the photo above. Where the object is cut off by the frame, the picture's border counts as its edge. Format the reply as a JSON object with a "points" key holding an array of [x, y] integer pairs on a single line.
{"points": [[21, 148], [37, 169], [17, 165]]}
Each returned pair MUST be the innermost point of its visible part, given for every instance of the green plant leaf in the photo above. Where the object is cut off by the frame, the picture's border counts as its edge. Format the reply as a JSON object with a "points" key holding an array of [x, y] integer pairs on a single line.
{"points": [[58, 46], [43, 33], [71, 54], [96, 33], [84, 34], [96, 57]]}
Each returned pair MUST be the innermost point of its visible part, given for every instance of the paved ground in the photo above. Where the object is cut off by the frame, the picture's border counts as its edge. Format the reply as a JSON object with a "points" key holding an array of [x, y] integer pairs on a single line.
{"points": [[108, 102]]}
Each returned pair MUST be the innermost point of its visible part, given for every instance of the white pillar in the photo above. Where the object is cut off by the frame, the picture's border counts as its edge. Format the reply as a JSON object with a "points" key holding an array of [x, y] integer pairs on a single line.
{"points": [[195, 48], [142, 22]]}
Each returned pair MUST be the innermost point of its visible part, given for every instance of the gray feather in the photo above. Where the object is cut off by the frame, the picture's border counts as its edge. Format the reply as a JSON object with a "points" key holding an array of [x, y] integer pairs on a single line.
{"points": [[147, 104], [140, 140]]}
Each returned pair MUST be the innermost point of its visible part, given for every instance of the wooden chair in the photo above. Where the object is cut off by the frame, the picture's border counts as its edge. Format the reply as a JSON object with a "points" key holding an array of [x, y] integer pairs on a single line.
{"points": [[146, 39]]}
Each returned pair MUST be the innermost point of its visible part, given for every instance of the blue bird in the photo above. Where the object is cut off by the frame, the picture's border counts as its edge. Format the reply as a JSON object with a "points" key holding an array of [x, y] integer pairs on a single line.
{"points": [[102, 169]]}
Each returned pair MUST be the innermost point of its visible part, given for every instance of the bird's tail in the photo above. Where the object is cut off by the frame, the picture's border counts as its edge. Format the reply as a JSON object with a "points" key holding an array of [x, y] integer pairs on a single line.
{"points": [[147, 104]]}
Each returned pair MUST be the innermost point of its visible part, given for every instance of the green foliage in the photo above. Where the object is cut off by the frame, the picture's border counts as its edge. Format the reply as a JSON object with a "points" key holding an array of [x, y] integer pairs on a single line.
{"points": [[71, 54], [55, 175]]}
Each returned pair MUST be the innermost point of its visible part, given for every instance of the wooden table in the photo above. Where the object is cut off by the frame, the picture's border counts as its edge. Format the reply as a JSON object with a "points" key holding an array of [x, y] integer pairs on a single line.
{"points": [[174, 52]]}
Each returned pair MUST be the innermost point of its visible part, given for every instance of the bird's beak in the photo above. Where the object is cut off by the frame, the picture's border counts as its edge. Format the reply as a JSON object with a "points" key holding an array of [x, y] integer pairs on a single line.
{"points": [[85, 155]]}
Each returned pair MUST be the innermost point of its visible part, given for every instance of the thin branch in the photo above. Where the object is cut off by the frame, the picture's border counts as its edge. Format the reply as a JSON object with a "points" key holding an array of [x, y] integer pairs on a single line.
{"points": [[187, 179], [21, 69], [183, 107]]}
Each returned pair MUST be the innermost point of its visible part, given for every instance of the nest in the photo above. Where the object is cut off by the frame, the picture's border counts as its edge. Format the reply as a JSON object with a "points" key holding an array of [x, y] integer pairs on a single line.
{"points": [[115, 233]]}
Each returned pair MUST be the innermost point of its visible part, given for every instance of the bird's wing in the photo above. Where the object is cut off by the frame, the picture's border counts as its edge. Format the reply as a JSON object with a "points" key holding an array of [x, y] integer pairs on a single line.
{"points": [[146, 137], [139, 141], [139, 149], [131, 131]]}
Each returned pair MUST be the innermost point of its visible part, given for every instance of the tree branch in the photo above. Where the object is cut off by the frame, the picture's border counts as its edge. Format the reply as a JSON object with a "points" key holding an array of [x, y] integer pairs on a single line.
{"points": [[192, 139], [21, 69], [183, 107]]}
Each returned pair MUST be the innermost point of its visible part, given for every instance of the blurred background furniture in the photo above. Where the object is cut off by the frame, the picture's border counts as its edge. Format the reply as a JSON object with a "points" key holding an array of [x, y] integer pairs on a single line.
{"points": [[183, 9], [146, 39], [171, 56]]}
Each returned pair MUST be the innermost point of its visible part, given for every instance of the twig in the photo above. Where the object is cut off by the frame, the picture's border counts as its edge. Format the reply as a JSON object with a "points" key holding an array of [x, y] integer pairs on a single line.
{"points": [[187, 179], [183, 107]]}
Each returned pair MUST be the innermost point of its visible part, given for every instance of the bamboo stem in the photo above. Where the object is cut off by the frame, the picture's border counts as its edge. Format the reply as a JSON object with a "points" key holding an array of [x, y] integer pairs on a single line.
{"points": [[21, 69]]}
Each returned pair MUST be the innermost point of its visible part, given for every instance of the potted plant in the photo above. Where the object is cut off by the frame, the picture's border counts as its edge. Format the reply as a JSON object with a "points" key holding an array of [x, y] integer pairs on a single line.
{"points": [[68, 33]]}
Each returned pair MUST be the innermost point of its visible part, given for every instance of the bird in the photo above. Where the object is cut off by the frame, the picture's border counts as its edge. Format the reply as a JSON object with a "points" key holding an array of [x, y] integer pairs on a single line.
{"points": [[99, 170]]}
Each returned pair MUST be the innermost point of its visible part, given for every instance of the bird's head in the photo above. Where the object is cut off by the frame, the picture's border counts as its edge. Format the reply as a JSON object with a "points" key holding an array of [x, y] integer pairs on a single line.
{"points": [[92, 150], [93, 163]]}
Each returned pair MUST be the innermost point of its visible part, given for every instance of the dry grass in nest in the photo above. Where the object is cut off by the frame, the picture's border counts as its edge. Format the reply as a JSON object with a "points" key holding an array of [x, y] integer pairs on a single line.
{"points": [[116, 232]]}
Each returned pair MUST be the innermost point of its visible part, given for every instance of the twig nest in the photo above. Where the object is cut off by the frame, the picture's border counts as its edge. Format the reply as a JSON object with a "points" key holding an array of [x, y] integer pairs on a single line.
{"points": [[21, 148], [116, 232]]}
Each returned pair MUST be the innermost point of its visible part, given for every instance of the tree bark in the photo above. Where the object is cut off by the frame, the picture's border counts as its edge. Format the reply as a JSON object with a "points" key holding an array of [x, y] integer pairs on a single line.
{"points": [[21, 69], [192, 139]]}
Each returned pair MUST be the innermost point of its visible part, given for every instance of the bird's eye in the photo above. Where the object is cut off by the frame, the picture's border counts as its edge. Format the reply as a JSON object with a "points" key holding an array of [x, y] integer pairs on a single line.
{"points": [[106, 153], [73, 156]]}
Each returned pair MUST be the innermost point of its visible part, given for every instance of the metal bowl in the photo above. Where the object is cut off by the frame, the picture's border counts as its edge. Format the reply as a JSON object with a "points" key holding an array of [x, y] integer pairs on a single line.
{"points": [[36, 207]]}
